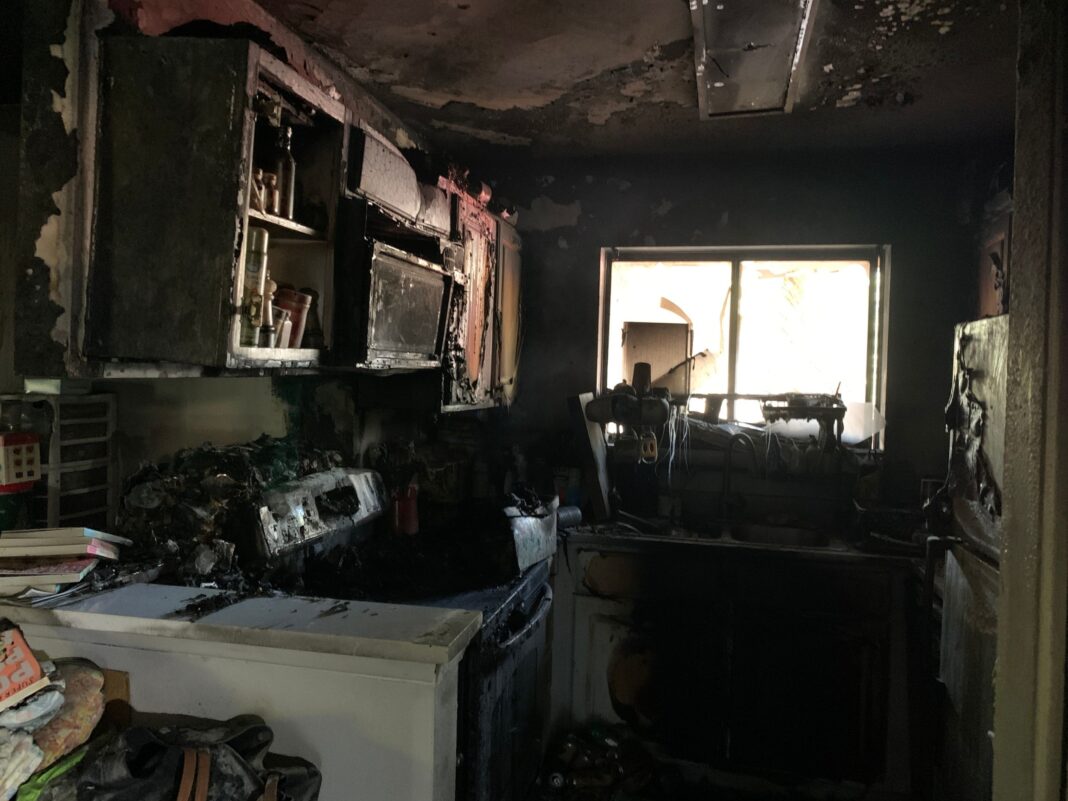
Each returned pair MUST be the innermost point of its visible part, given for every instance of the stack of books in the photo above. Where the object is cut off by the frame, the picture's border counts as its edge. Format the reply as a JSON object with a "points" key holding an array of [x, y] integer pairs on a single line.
{"points": [[46, 561]]}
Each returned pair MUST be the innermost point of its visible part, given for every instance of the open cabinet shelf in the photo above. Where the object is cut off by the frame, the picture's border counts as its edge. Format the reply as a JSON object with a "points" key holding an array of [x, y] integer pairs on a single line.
{"points": [[283, 228]]}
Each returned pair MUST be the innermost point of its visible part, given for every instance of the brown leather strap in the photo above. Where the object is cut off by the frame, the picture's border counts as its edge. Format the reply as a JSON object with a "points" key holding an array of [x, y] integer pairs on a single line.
{"points": [[203, 775], [189, 769], [270, 788]]}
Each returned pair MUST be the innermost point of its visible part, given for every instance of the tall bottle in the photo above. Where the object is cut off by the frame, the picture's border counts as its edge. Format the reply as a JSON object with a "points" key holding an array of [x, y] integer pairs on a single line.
{"points": [[287, 172], [267, 329], [255, 278]]}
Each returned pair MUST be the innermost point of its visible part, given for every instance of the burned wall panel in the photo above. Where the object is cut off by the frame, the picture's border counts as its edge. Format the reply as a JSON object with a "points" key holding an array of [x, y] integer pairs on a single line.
{"points": [[48, 163], [9, 172]]}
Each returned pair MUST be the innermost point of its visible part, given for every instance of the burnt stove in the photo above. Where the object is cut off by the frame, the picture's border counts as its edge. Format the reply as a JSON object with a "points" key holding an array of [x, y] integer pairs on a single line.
{"points": [[502, 722]]}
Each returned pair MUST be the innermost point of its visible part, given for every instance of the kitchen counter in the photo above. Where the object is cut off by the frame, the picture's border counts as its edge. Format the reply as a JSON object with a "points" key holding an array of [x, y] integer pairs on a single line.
{"points": [[313, 625], [618, 538], [366, 691]]}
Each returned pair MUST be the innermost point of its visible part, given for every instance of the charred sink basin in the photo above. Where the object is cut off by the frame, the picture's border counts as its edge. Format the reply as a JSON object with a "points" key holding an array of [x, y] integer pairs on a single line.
{"points": [[781, 535]]}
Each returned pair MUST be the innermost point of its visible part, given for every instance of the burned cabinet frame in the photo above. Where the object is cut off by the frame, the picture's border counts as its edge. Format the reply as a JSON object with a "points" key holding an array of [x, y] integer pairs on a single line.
{"points": [[373, 234], [177, 127], [471, 329]]}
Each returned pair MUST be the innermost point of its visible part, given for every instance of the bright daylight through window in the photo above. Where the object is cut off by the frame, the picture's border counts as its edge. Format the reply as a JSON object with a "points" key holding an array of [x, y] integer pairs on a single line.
{"points": [[750, 323]]}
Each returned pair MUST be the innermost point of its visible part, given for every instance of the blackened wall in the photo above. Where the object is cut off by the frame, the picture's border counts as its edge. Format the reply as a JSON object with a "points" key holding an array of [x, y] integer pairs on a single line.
{"points": [[923, 205], [9, 169]]}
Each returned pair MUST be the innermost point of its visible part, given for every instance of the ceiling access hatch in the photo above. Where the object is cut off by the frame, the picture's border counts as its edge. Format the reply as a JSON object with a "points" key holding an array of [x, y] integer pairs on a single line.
{"points": [[747, 54]]}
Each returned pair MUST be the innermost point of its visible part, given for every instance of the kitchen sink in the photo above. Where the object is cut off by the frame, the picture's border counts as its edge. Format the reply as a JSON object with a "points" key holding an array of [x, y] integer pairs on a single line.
{"points": [[781, 535]]}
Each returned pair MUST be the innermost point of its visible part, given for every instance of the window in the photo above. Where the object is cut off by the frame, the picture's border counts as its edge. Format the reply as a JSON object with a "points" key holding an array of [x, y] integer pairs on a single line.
{"points": [[749, 322]]}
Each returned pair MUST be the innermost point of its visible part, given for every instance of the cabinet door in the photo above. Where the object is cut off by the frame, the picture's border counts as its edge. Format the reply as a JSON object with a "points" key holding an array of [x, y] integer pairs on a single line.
{"points": [[171, 168], [509, 313], [807, 695], [472, 330], [966, 672]]}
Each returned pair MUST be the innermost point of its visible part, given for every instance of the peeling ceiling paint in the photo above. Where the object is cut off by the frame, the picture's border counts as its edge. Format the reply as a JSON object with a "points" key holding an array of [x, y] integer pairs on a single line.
{"points": [[497, 56], [483, 134], [581, 77]]}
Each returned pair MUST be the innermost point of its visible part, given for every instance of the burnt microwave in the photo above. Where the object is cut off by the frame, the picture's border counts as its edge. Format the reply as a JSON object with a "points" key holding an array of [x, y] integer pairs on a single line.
{"points": [[405, 306], [395, 319]]}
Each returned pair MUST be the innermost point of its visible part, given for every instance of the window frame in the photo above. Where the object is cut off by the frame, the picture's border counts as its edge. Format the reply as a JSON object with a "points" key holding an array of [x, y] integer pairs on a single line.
{"points": [[878, 256]]}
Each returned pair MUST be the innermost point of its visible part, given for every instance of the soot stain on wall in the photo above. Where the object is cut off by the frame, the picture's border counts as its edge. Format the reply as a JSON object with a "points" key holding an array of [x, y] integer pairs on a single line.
{"points": [[48, 162], [921, 204]]}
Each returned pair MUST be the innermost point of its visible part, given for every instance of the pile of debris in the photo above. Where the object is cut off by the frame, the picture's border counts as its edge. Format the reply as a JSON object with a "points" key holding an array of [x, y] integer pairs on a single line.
{"points": [[600, 764], [194, 513]]}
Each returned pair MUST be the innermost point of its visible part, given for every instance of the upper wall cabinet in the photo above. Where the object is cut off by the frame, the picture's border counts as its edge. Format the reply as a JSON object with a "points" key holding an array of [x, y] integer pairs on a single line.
{"points": [[242, 221], [219, 172], [396, 265]]}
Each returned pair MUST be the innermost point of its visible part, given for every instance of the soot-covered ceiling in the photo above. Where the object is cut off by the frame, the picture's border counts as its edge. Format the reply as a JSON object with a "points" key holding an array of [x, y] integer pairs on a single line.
{"points": [[587, 77]]}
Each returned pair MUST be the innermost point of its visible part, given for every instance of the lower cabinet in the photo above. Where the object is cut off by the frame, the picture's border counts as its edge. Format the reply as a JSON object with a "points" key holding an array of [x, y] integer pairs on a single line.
{"points": [[808, 696], [751, 662]]}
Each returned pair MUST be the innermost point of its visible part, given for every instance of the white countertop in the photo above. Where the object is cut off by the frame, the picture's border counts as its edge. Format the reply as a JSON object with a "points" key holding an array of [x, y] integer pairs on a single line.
{"points": [[349, 628]]}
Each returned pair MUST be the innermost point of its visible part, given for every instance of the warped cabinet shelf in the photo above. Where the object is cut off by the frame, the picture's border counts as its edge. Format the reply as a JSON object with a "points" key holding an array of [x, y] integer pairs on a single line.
{"points": [[190, 131]]}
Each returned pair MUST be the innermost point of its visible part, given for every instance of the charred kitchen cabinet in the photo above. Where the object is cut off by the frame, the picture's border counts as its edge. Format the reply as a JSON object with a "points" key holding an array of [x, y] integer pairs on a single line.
{"points": [[404, 276], [484, 328], [429, 279], [471, 332], [183, 125], [753, 662], [396, 264]]}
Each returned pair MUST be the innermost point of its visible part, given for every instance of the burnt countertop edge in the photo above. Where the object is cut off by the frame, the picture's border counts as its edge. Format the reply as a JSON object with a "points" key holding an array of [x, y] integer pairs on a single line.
{"points": [[839, 551]]}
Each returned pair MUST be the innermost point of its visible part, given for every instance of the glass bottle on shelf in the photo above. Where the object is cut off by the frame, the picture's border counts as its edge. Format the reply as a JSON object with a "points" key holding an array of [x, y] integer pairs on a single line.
{"points": [[272, 194], [286, 170], [267, 331], [257, 191], [255, 278]]}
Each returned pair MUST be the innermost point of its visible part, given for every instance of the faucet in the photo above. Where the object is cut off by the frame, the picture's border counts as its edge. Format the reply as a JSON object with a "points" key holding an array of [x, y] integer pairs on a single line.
{"points": [[726, 484]]}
